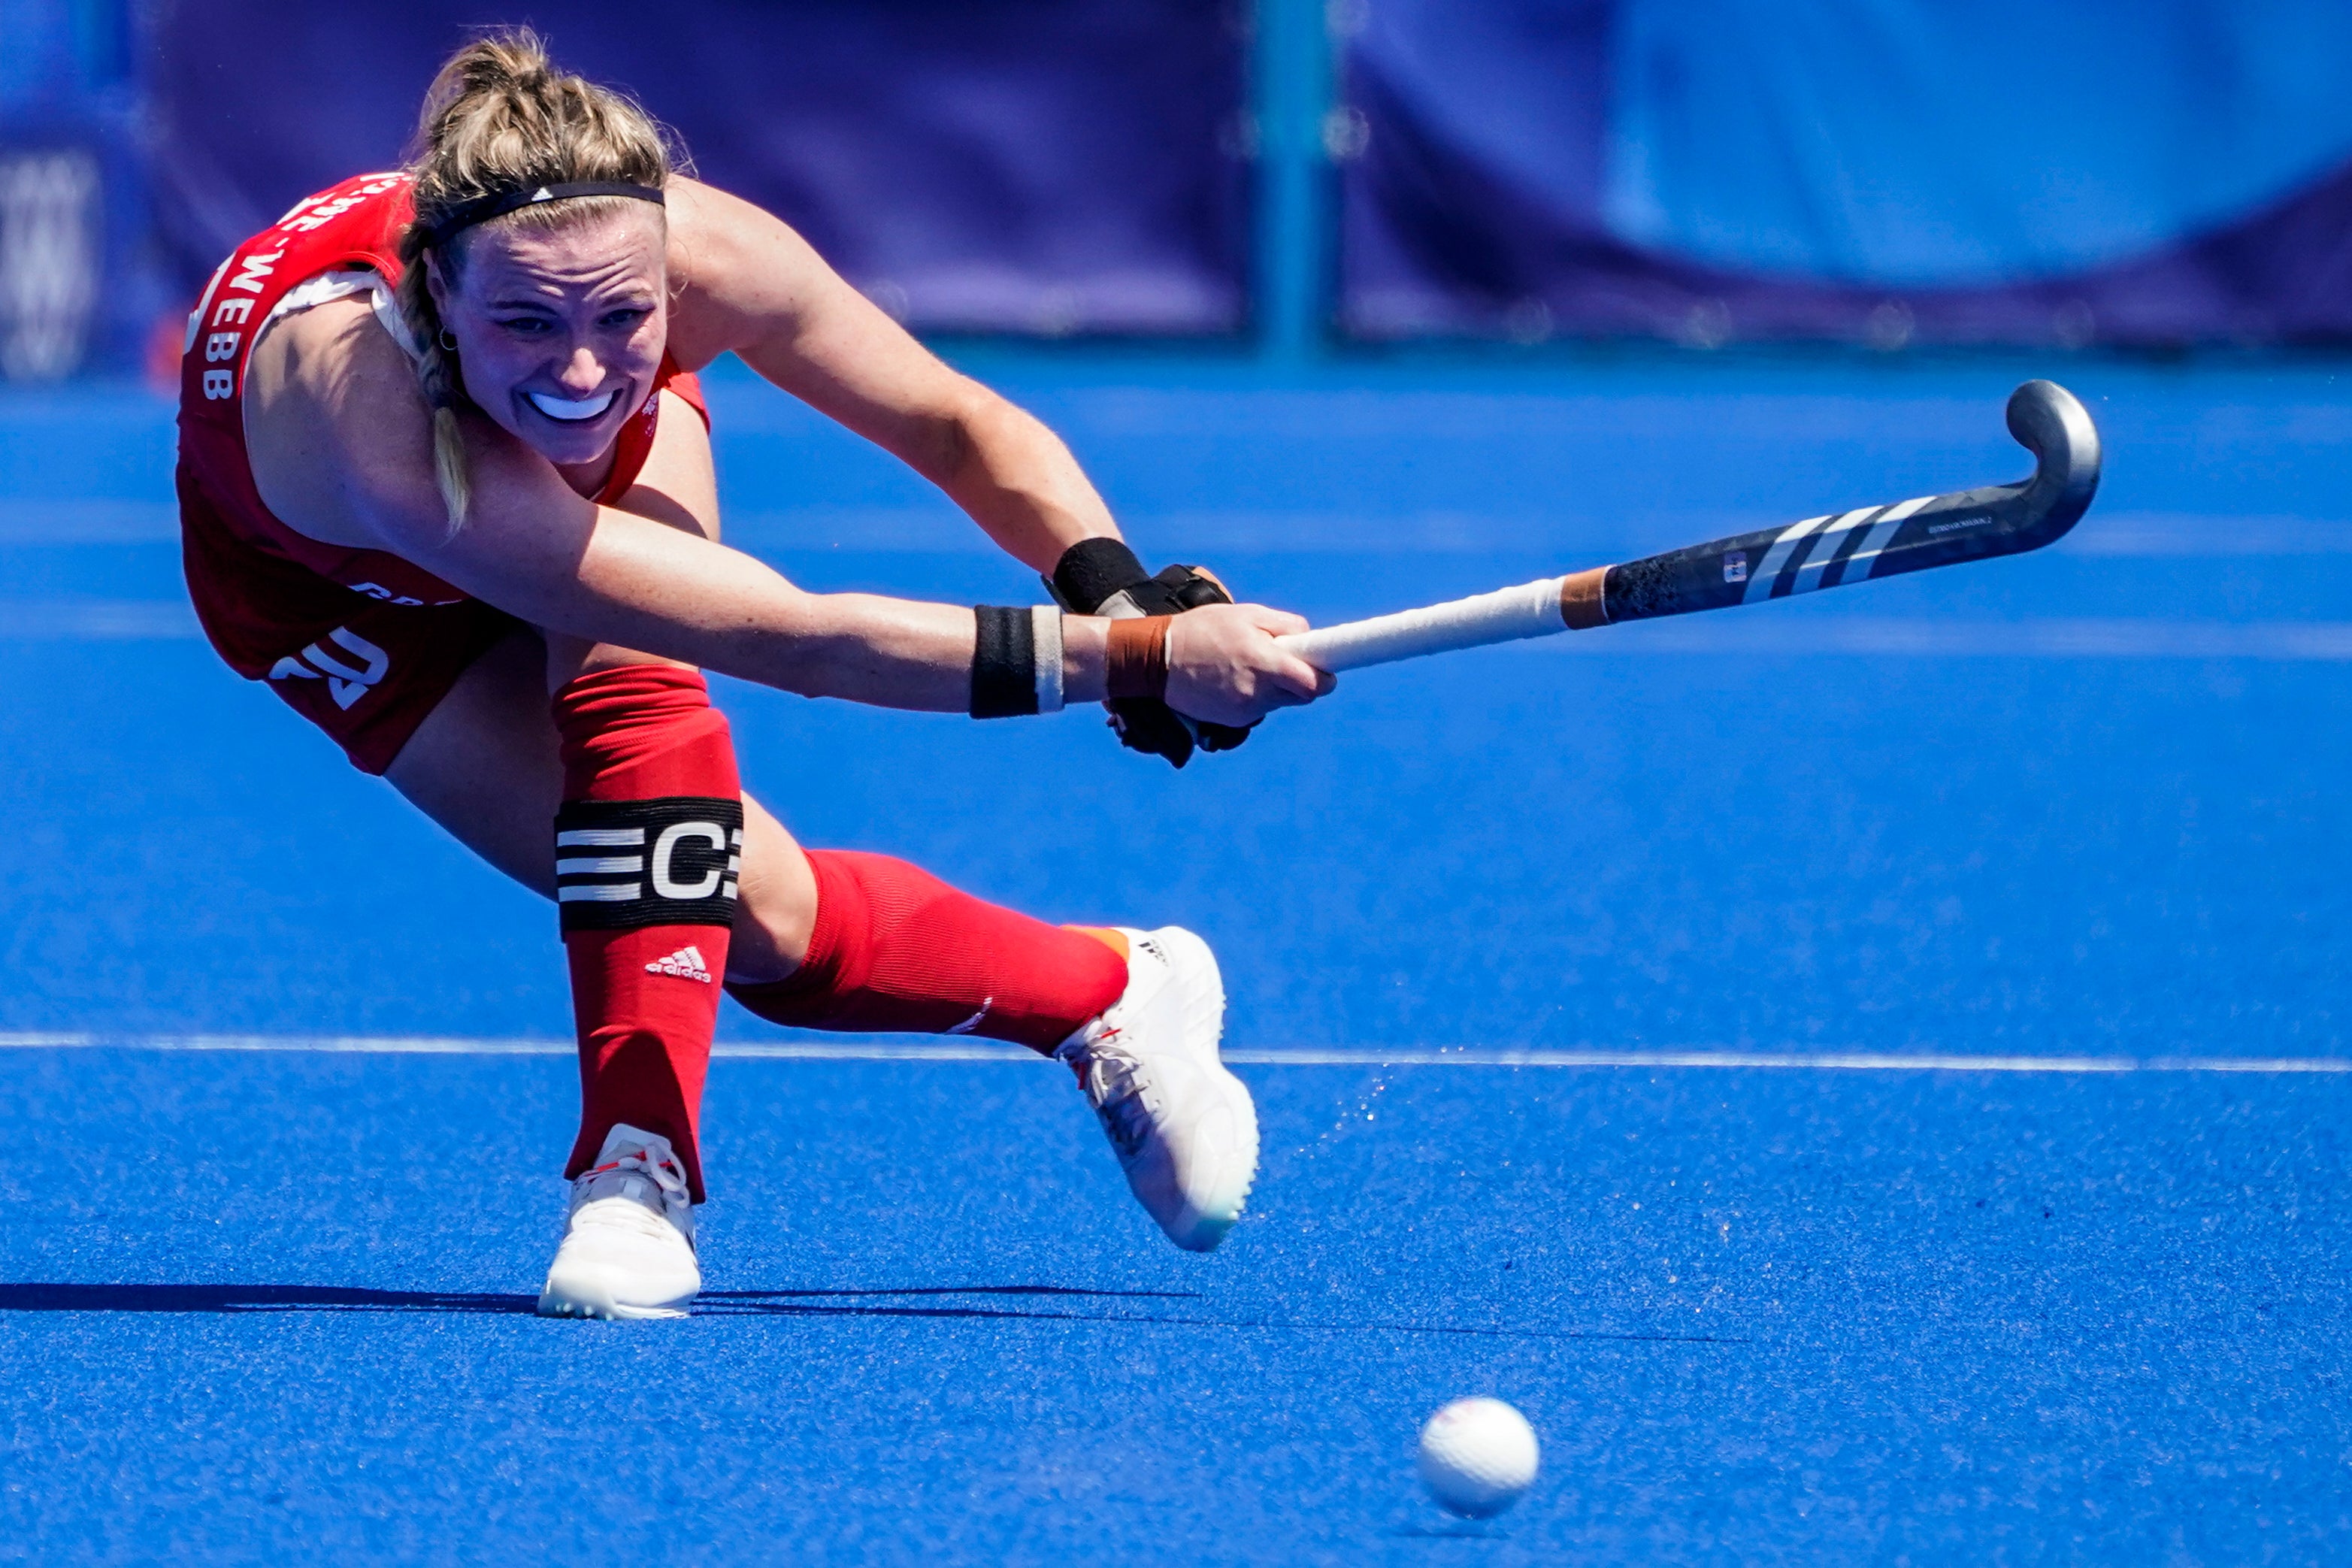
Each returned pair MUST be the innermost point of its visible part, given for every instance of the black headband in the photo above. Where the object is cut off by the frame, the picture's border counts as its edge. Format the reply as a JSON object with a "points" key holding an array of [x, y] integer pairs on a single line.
{"points": [[498, 204]]}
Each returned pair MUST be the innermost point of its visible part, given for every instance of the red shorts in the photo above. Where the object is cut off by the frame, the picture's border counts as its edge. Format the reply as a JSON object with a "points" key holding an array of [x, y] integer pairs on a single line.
{"points": [[362, 644], [363, 662], [372, 680]]}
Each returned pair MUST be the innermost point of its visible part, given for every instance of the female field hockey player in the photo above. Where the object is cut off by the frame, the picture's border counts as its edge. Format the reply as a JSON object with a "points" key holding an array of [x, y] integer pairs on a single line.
{"points": [[441, 454]]}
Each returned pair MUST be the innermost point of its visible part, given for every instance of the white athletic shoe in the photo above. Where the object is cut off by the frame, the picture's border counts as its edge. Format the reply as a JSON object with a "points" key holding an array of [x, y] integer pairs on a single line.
{"points": [[1184, 1127], [628, 1248]]}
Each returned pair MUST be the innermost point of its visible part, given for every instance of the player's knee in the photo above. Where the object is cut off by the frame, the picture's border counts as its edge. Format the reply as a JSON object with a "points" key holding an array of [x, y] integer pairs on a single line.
{"points": [[776, 914]]}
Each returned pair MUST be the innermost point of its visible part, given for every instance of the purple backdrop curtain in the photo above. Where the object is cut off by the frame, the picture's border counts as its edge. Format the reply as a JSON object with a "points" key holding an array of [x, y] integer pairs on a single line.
{"points": [[1048, 166], [2130, 172]]}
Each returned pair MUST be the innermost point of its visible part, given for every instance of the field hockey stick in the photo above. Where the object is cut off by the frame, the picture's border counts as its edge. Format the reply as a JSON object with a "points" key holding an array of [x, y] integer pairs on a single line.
{"points": [[1829, 551]]}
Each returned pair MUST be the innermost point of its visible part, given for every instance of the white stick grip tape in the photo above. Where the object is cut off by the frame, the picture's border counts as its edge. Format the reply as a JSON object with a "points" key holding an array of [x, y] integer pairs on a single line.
{"points": [[1507, 614]]}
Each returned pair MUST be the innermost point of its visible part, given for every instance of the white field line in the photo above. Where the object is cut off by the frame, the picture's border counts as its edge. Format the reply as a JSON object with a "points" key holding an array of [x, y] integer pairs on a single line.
{"points": [[1766, 634], [343, 1045], [1246, 1056], [97, 620]]}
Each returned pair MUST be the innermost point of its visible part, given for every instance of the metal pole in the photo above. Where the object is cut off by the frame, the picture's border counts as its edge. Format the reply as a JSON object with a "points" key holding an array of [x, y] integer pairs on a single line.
{"points": [[1291, 67]]}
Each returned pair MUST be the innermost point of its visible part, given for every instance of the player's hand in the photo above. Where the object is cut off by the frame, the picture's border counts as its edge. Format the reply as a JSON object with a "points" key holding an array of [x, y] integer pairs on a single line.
{"points": [[1224, 667], [1147, 723], [1102, 577]]}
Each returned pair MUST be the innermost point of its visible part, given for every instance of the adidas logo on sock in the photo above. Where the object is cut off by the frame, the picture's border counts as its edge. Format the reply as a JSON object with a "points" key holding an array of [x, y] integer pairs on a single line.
{"points": [[686, 963]]}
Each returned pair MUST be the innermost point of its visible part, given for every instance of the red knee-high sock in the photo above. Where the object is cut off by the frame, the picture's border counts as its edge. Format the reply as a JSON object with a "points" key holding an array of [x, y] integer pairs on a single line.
{"points": [[896, 949], [647, 846]]}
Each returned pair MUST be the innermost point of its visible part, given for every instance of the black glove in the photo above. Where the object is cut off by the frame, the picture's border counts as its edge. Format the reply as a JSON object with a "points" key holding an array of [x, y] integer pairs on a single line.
{"points": [[1102, 577]]}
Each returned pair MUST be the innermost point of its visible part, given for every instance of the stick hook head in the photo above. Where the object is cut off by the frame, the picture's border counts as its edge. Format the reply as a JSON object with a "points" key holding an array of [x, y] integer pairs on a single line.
{"points": [[2050, 422]]}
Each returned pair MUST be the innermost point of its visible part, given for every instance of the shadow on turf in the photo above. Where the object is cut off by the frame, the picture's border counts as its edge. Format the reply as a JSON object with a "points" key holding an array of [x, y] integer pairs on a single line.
{"points": [[249, 1299], [1448, 1532], [858, 1304], [55, 1297]]}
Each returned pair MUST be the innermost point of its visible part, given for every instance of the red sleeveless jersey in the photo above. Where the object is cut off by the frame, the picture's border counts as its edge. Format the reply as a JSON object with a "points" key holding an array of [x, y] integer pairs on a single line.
{"points": [[261, 589]]}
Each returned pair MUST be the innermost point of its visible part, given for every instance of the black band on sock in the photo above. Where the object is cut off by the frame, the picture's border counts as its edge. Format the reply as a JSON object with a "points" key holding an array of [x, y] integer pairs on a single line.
{"points": [[1091, 571], [672, 860], [1003, 664]]}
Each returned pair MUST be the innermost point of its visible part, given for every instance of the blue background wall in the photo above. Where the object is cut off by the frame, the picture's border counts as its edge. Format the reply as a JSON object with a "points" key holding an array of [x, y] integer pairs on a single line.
{"points": [[80, 279], [1292, 175]]}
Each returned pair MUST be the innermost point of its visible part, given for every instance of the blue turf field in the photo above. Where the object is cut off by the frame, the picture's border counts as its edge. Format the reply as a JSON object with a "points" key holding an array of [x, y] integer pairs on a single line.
{"points": [[2074, 812]]}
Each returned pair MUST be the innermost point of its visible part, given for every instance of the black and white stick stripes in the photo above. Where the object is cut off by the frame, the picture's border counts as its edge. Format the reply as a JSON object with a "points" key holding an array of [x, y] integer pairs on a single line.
{"points": [[1830, 550]]}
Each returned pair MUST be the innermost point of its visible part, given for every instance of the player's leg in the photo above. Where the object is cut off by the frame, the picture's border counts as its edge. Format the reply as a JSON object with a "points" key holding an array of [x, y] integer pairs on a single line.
{"points": [[834, 940], [631, 765], [648, 845]]}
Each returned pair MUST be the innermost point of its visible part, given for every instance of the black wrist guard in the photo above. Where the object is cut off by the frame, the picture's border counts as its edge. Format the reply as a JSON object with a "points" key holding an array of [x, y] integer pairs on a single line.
{"points": [[1103, 576], [1091, 571]]}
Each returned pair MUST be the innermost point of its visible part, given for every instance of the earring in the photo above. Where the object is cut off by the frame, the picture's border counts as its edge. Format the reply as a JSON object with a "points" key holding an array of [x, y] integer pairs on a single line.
{"points": [[448, 344]]}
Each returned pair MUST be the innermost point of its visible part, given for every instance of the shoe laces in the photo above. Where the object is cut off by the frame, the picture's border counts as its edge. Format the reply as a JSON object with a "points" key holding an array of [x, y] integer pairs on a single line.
{"points": [[655, 1187], [1115, 1082]]}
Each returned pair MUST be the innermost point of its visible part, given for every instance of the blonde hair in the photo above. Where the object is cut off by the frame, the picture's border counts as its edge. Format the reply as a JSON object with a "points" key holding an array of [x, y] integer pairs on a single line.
{"points": [[501, 116]]}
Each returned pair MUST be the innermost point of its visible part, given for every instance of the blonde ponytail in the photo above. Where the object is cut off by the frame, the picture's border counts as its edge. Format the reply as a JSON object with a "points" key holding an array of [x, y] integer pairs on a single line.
{"points": [[501, 116]]}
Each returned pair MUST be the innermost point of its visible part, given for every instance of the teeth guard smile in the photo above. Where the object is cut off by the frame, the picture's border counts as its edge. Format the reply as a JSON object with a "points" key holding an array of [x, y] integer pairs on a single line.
{"points": [[570, 411]]}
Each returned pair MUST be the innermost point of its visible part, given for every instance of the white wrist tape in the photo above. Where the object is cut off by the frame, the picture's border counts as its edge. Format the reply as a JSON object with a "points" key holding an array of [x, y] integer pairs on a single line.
{"points": [[1045, 638]]}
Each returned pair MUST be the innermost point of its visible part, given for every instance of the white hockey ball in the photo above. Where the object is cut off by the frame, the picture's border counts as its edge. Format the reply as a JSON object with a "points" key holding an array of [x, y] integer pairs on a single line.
{"points": [[1476, 1457]]}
